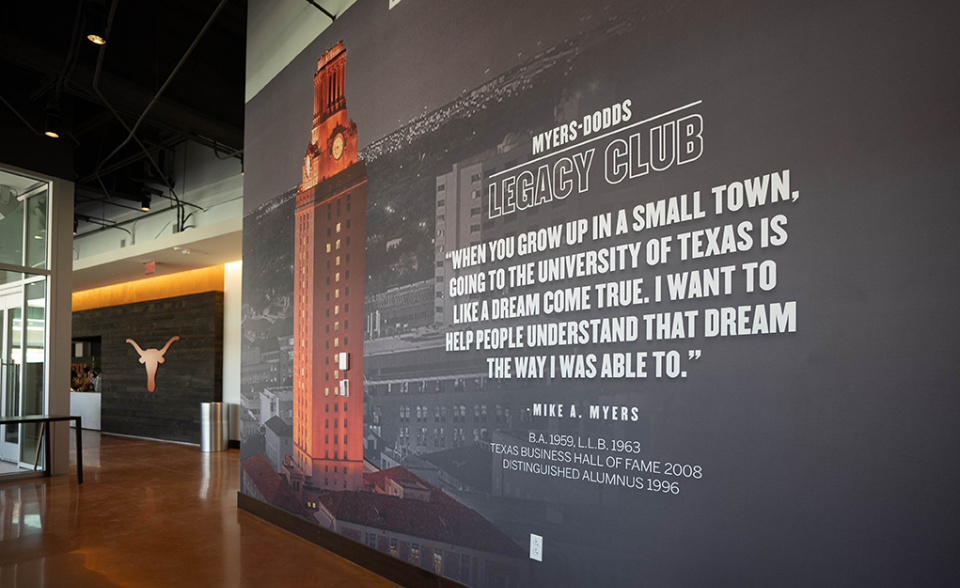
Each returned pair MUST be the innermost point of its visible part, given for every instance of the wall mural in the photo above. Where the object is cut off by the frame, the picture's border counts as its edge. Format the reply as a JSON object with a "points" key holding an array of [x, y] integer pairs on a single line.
{"points": [[151, 359], [611, 294]]}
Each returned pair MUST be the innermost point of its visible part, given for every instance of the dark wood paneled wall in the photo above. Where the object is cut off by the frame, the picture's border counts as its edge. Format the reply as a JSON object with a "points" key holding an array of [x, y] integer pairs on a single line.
{"points": [[191, 372]]}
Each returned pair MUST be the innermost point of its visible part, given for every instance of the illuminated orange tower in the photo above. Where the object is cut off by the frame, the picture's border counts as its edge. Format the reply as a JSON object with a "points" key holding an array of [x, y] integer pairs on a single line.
{"points": [[330, 261]]}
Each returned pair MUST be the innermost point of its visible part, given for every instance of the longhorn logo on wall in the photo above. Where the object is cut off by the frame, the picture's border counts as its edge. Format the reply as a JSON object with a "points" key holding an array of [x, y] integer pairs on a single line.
{"points": [[152, 358]]}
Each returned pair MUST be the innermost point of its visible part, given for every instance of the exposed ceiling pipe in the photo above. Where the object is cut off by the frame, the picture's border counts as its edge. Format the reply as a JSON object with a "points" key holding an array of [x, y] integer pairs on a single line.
{"points": [[20, 116], [104, 225], [322, 9], [132, 158], [119, 225], [83, 192], [132, 132], [169, 79], [72, 52], [128, 99], [238, 153]]}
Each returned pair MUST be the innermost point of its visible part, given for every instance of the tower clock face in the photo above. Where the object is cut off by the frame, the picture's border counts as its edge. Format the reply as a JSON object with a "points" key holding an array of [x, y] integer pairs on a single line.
{"points": [[338, 146]]}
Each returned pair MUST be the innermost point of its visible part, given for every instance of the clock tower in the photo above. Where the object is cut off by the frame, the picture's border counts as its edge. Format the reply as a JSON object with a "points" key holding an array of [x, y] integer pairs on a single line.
{"points": [[329, 278]]}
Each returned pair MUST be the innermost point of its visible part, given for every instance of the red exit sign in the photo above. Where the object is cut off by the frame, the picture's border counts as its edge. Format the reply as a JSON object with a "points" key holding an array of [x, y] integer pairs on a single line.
{"points": [[151, 266]]}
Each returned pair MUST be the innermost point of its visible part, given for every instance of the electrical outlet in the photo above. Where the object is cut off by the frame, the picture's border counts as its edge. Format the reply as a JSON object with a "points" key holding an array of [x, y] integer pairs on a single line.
{"points": [[536, 547]]}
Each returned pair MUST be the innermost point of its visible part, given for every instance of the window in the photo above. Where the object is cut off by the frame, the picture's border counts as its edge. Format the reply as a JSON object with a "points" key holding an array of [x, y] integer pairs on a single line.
{"points": [[437, 563], [371, 540]]}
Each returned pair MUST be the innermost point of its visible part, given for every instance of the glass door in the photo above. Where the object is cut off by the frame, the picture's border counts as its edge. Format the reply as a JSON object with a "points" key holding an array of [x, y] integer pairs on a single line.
{"points": [[24, 278], [11, 337]]}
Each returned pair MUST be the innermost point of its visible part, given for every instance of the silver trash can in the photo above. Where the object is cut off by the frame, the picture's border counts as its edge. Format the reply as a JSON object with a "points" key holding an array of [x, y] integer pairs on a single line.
{"points": [[214, 432]]}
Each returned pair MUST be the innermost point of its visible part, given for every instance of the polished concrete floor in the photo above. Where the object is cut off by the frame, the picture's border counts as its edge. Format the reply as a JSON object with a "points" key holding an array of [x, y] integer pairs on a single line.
{"points": [[152, 514]]}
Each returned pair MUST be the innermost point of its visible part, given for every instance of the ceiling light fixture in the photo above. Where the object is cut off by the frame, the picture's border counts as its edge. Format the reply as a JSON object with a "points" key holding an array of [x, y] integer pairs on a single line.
{"points": [[145, 203], [76, 225], [51, 117], [96, 25]]}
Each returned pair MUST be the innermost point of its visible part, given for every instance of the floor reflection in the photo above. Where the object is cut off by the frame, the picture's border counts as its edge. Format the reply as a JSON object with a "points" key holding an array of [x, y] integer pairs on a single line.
{"points": [[8, 467], [151, 514]]}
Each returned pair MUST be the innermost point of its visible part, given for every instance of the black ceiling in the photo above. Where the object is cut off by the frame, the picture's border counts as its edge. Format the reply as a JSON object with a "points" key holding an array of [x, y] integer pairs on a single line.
{"points": [[47, 64]]}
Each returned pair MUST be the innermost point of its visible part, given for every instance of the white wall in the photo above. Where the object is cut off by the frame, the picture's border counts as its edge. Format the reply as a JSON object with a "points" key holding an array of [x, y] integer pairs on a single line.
{"points": [[277, 31], [232, 286], [60, 320]]}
